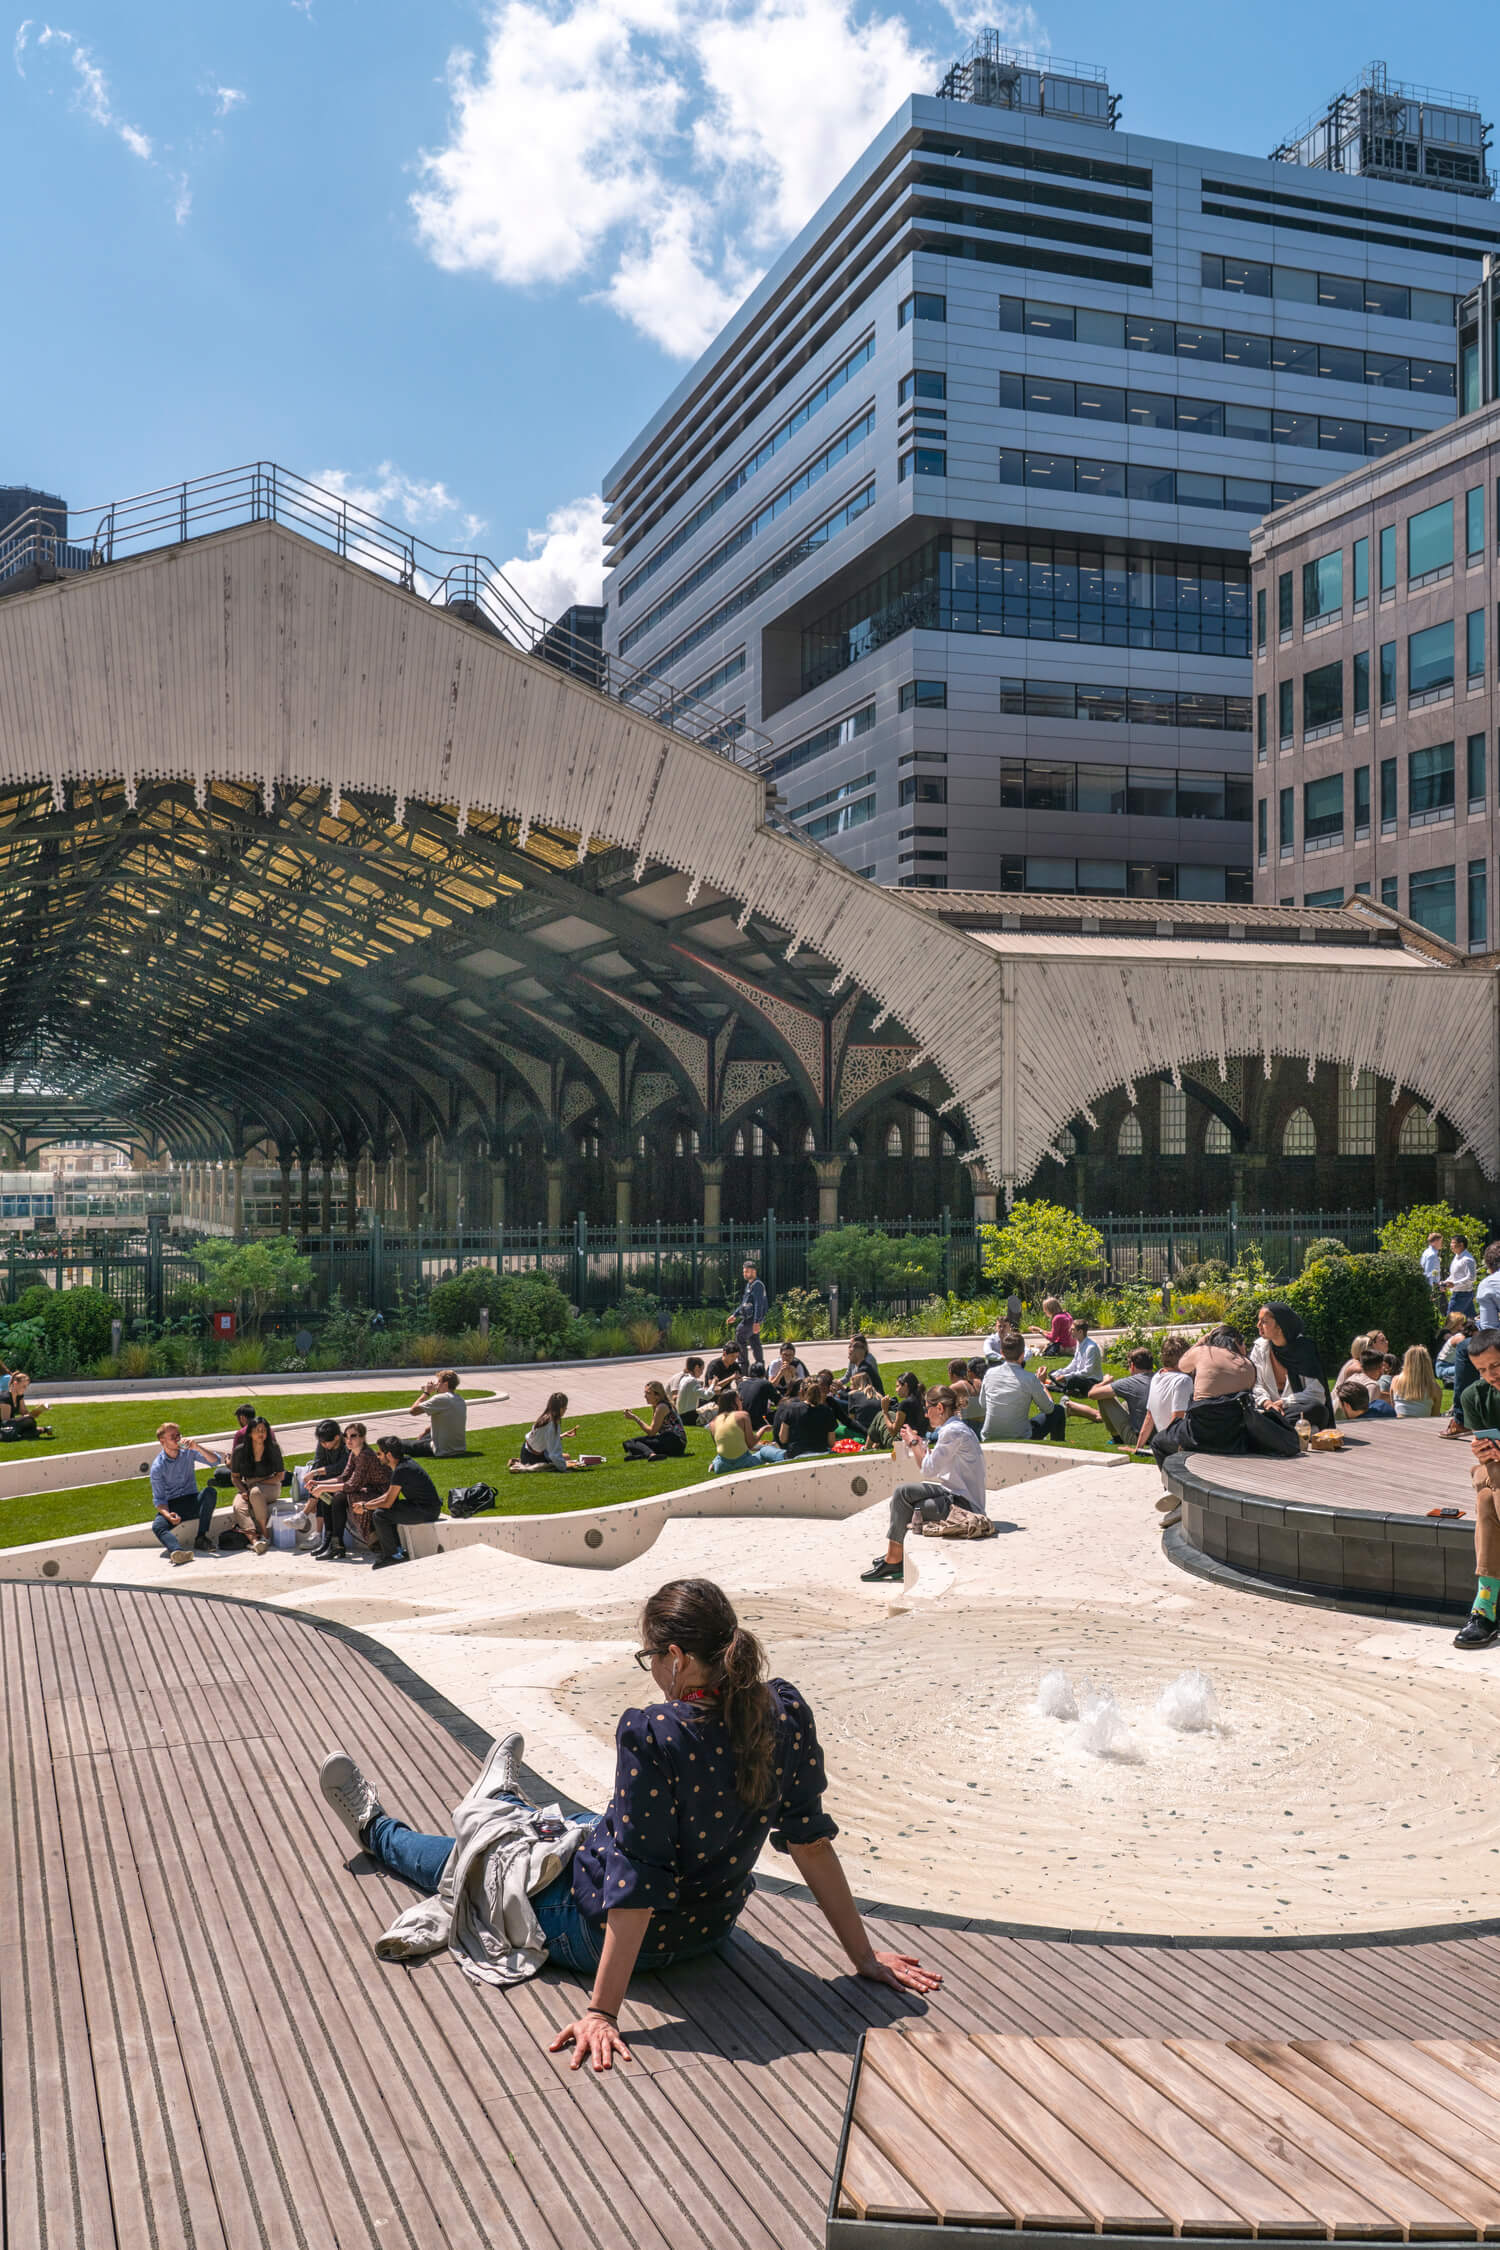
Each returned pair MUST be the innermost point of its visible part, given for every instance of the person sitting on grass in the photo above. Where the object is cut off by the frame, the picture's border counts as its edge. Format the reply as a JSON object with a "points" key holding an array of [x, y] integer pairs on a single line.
{"points": [[951, 1461], [720, 1377], [787, 1371], [1058, 1335], [860, 1355], [1481, 1418], [859, 1404], [1003, 1327], [1084, 1369], [1016, 1404], [1171, 1392], [1354, 1364], [175, 1494], [19, 1415], [805, 1425], [650, 1885], [365, 1477], [447, 1432], [1374, 1370], [663, 1437], [736, 1445], [410, 1497], [544, 1443], [686, 1390], [1457, 1329], [1416, 1391], [1131, 1390], [256, 1464], [913, 1399], [884, 1432]]}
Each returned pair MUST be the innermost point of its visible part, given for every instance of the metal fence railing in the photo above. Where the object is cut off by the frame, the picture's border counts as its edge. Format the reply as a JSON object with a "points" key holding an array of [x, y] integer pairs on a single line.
{"points": [[471, 585], [1159, 1248]]}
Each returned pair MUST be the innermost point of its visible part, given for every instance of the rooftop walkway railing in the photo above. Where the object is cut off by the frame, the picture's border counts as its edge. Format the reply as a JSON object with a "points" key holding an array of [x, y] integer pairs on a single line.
{"points": [[39, 545]]}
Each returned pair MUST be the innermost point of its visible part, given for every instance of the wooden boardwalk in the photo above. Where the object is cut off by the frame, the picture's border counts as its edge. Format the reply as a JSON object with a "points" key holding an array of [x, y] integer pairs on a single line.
{"points": [[198, 2047]]}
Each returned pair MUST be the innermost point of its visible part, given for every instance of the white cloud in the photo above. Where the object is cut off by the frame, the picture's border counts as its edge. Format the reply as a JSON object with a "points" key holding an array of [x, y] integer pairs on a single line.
{"points": [[659, 149], [92, 91], [421, 504], [227, 98], [565, 563]]}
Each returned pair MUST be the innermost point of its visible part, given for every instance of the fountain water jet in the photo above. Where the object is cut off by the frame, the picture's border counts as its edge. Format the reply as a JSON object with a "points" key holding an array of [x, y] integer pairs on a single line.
{"points": [[1189, 1704]]}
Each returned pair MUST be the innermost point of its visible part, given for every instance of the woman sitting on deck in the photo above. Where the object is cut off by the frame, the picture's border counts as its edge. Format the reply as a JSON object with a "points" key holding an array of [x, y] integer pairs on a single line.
{"points": [[722, 1759], [1288, 1370], [1416, 1391]]}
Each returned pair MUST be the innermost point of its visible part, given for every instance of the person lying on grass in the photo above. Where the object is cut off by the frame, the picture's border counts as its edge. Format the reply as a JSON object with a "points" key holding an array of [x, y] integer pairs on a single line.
{"points": [[719, 1759]]}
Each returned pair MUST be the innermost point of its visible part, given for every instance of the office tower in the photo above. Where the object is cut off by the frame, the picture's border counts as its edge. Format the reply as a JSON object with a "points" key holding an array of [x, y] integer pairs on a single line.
{"points": [[955, 511]]}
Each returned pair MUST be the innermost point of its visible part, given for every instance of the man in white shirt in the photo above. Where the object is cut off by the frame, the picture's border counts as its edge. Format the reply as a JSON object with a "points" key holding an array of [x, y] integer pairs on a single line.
{"points": [[1432, 1260], [1085, 1368], [1016, 1405], [952, 1475], [1487, 1296], [1171, 1392], [1461, 1277]]}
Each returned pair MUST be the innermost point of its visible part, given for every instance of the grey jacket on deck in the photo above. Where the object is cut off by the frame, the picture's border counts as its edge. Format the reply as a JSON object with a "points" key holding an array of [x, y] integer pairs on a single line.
{"points": [[482, 1908]]}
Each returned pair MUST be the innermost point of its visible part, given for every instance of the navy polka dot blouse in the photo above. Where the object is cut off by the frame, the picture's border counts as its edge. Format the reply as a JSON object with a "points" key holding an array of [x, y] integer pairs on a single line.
{"points": [[677, 1837]]}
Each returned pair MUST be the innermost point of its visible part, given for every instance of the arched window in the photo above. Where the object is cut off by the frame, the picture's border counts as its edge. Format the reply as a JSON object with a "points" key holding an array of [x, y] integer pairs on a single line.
{"points": [[921, 1133], [739, 1142], [1298, 1137], [1418, 1133], [1217, 1140], [695, 1140], [853, 1146], [893, 1140], [1129, 1142], [1173, 1121], [1065, 1144], [809, 1141], [640, 1144], [679, 1146]]}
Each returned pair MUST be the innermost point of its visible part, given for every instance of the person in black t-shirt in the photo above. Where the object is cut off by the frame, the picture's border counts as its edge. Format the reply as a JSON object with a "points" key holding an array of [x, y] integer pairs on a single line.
{"points": [[806, 1424], [411, 1497], [758, 1396]]}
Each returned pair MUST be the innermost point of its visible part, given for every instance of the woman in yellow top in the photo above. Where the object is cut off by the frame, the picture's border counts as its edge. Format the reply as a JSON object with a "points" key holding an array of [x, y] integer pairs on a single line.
{"points": [[734, 1444]]}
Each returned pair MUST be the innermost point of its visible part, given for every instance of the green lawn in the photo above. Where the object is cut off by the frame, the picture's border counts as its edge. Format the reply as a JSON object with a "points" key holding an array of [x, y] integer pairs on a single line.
{"points": [[85, 1424], [98, 1507]]}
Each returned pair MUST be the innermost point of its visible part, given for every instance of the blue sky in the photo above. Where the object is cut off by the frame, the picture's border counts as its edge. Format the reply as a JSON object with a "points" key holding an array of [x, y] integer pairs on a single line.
{"points": [[450, 256]]}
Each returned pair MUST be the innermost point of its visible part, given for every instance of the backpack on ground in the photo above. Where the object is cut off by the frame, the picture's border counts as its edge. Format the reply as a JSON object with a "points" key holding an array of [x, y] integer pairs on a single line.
{"points": [[960, 1523], [470, 1499]]}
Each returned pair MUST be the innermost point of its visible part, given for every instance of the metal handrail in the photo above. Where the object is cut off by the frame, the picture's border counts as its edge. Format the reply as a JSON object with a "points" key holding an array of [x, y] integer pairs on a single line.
{"points": [[447, 578]]}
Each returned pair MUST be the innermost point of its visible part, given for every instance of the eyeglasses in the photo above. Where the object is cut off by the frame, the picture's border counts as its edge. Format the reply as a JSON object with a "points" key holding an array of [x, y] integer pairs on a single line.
{"points": [[645, 1657]]}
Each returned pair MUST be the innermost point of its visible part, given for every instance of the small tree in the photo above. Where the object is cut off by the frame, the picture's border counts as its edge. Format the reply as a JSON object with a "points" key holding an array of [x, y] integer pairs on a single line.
{"points": [[1407, 1234], [1040, 1249], [251, 1276], [868, 1263]]}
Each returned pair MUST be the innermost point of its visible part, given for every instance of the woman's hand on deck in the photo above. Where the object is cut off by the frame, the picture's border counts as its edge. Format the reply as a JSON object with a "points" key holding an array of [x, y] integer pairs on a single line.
{"points": [[594, 2040], [902, 1971]]}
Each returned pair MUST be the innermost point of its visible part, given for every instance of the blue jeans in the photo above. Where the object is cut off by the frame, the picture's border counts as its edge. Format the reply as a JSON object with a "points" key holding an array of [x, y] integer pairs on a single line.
{"points": [[574, 1940], [754, 1457], [165, 1532], [1053, 1425]]}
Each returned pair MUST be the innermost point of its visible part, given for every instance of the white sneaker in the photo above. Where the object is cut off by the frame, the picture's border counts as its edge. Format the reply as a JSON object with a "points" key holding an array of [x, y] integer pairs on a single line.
{"points": [[260, 1546], [499, 1776], [349, 1793], [180, 1555]]}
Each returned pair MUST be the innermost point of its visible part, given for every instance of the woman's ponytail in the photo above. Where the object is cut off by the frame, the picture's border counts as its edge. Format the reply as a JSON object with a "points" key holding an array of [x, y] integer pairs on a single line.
{"points": [[697, 1616]]}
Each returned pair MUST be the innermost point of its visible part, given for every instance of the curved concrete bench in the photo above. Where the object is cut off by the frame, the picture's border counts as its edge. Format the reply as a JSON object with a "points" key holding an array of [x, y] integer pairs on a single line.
{"points": [[832, 1486]]}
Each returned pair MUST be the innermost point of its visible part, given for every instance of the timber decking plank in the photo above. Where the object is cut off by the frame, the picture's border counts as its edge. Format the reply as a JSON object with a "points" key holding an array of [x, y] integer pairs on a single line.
{"points": [[909, 2143], [872, 2188], [1453, 2083], [1338, 2208], [1192, 2207], [1018, 2185], [1263, 2203], [1106, 2195], [1412, 2208], [1370, 2073]]}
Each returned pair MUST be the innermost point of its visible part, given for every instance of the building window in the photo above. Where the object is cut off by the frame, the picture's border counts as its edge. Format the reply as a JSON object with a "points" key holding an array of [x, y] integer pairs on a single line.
{"points": [[679, 1146], [1474, 645], [1322, 700], [921, 305], [809, 1141], [1429, 784], [1284, 604], [1286, 723], [893, 1141], [1361, 802], [1322, 586], [1129, 1142], [1361, 573], [1474, 523], [1065, 1145], [1260, 617], [1479, 907], [921, 1133], [1260, 727], [738, 1145], [1429, 545], [1323, 813], [1388, 891], [1429, 664], [1476, 773], [757, 1140], [1260, 831], [924, 695], [1418, 1133], [1216, 1138], [1430, 901], [1334, 897], [922, 461], [640, 1144], [1388, 559], [1285, 826], [922, 789], [1298, 1137], [1361, 683], [1173, 1141], [1356, 1113], [1387, 677], [922, 382]]}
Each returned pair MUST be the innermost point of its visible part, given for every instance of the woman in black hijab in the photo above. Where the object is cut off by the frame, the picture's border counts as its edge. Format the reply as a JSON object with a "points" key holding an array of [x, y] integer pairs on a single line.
{"points": [[1289, 1371]]}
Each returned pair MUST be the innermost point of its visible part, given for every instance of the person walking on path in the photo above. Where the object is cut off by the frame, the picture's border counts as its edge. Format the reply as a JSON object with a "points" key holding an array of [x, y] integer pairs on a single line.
{"points": [[951, 1461], [656, 1880], [175, 1494], [749, 1319], [1462, 1274]]}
